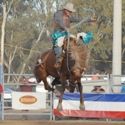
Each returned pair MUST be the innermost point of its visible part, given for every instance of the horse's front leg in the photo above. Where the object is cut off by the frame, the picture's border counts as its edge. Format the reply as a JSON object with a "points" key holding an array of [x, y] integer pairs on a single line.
{"points": [[47, 86], [82, 106]]}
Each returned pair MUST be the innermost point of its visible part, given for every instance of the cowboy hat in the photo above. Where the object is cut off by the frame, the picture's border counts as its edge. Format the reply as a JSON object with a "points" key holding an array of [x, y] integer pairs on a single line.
{"points": [[69, 7]]}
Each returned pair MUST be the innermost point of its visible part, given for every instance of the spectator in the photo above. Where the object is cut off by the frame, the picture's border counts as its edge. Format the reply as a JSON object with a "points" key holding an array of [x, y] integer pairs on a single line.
{"points": [[26, 85], [98, 89], [123, 87], [96, 76]]}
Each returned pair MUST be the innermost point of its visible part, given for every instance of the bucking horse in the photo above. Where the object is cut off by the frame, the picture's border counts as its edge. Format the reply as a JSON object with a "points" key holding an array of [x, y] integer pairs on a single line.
{"points": [[74, 65]]}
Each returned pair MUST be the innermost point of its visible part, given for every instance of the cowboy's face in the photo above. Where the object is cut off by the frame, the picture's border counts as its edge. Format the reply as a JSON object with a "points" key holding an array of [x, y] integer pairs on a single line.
{"points": [[67, 12]]}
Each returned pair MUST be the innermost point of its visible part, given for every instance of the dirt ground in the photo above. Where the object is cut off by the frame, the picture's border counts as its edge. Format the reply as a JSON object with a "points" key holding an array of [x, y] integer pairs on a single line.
{"points": [[74, 122]]}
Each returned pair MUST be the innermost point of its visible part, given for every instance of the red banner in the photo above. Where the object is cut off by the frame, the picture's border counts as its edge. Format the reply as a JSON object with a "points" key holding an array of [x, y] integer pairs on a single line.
{"points": [[1, 88]]}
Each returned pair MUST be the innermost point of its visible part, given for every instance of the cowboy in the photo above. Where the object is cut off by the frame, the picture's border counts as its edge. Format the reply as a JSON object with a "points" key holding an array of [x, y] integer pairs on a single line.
{"points": [[61, 24]]}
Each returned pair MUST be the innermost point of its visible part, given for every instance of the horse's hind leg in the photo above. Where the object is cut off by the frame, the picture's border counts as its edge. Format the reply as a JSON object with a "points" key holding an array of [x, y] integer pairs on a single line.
{"points": [[63, 83]]}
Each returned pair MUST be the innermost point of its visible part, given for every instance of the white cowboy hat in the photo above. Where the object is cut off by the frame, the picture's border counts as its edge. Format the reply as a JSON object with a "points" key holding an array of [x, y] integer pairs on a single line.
{"points": [[70, 7]]}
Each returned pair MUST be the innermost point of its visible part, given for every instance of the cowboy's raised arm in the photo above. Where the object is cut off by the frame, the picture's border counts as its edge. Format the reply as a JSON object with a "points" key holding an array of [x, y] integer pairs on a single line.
{"points": [[74, 19], [78, 19]]}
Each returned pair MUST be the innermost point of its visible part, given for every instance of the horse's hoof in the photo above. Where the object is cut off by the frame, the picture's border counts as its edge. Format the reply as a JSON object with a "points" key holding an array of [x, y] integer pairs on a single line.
{"points": [[82, 107]]}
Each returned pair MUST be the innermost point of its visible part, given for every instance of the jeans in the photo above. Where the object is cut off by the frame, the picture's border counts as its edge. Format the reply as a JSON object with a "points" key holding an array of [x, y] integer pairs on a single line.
{"points": [[58, 53]]}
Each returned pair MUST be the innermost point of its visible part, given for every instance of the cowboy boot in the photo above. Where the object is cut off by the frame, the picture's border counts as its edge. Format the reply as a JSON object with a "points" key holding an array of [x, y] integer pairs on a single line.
{"points": [[58, 64]]}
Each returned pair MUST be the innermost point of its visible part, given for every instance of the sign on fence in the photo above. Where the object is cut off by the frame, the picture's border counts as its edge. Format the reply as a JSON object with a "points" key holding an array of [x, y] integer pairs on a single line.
{"points": [[28, 100]]}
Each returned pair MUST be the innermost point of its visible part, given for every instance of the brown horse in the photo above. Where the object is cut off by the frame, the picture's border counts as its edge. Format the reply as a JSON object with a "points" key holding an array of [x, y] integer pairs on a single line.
{"points": [[73, 66]]}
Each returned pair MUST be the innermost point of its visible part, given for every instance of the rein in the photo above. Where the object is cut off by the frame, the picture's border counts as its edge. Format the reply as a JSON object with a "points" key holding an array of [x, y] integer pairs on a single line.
{"points": [[67, 47]]}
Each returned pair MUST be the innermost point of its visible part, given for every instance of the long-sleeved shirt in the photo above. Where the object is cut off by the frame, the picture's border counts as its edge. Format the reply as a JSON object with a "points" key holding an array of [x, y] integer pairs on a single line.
{"points": [[61, 21]]}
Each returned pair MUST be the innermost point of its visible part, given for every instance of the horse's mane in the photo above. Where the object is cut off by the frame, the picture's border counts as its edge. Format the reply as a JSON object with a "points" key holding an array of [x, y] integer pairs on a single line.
{"points": [[84, 55], [80, 54]]}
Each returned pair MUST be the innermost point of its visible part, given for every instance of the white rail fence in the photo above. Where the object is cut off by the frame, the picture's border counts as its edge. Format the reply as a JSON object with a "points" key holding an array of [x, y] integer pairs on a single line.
{"points": [[24, 99]]}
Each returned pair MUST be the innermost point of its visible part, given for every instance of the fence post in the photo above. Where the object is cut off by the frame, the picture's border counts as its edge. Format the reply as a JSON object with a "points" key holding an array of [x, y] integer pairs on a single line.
{"points": [[2, 95]]}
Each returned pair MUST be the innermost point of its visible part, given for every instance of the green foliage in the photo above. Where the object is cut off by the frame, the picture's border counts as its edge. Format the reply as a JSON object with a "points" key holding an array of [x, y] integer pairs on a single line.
{"points": [[26, 20], [101, 47]]}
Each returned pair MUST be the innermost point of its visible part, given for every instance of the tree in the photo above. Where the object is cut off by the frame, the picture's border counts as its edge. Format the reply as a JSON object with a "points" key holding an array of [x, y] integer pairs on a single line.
{"points": [[27, 19]]}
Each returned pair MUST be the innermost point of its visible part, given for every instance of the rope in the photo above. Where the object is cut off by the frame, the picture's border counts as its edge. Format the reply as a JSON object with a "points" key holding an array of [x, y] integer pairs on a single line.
{"points": [[67, 52]]}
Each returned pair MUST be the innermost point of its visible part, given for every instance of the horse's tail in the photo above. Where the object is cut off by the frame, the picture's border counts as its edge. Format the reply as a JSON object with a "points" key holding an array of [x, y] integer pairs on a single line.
{"points": [[41, 60]]}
